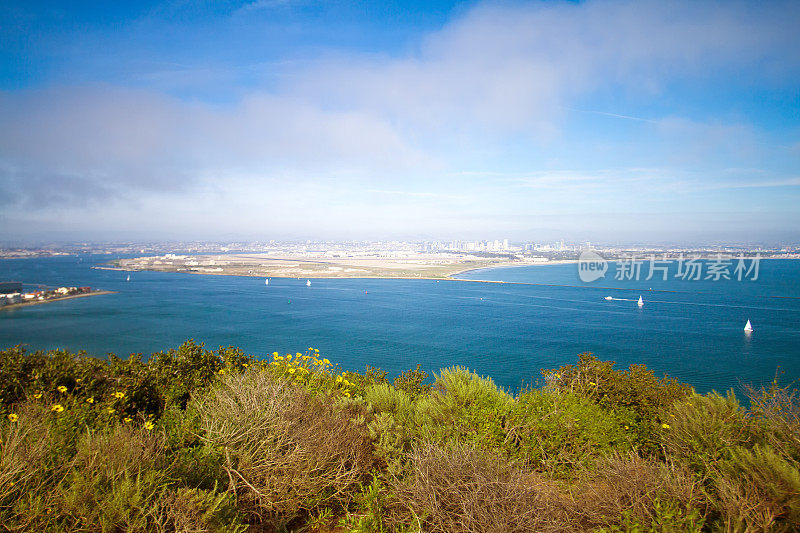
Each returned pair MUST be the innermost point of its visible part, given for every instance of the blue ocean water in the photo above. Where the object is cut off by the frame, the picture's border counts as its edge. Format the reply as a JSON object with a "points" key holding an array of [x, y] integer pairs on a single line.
{"points": [[540, 317]]}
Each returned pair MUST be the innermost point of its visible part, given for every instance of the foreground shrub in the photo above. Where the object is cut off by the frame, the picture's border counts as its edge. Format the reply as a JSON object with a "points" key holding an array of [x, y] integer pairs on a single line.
{"points": [[412, 381], [201, 440], [630, 493], [192, 509], [777, 413], [115, 482], [460, 488], [392, 426], [636, 388], [28, 464], [463, 406], [758, 490], [703, 429], [286, 452], [559, 432], [752, 485], [179, 373]]}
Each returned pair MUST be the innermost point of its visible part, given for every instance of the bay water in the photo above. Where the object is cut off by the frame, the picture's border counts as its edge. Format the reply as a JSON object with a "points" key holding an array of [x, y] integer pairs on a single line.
{"points": [[540, 317]]}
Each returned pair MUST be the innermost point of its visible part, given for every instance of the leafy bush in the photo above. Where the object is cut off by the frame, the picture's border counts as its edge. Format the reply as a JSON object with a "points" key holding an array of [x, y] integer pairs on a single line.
{"points": [[703, 429], [413, 382], [179, 373], [130, 386], [560, 431], [637, 388], [463, 406], [391, 428]]}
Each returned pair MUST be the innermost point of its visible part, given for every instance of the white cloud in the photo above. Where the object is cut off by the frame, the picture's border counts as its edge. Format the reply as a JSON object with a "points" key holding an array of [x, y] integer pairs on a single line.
{"points": [[78, 144], [508, 69], [348, 124]]}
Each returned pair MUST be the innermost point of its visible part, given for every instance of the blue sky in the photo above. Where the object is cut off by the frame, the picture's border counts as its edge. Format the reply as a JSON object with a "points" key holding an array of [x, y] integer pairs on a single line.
{"points": [[614, 121]]}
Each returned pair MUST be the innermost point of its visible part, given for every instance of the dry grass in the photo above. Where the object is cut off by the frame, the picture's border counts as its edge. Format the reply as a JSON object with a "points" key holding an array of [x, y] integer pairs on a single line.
{"points": [[621, 485], [25, 446], [758, 490], [778, 409], [459, 488], [123, 451], [196, 511], [287, 453]]}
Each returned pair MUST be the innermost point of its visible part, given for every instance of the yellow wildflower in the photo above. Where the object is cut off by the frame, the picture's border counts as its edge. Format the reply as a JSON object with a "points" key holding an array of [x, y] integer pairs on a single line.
{"points": [[221, 371], [275, 354], [62, 389], [288, 357], [306, 357], [119, 394], [291, 370], [13, 417], [149, 425], [316, 350], [57, 408], [627, 428], [346, 393], [127, 419], [665, 426], [37, 395], [593, 384], [279, 358], [89, 400], [111, 410], [326, 361], [245, 365], [338, 379]]}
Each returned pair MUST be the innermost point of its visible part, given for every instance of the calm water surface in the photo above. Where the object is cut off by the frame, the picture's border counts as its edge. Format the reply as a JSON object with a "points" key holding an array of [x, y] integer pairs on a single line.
{"points": [[540, 317]]}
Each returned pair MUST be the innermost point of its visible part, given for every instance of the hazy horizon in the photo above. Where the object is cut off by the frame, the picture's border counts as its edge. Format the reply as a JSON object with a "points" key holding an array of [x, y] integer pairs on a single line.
{"points": [[606, 120]]}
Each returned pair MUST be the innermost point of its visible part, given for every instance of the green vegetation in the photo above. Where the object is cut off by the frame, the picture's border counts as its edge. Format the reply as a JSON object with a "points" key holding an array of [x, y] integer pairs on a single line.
{"points": [[215, 440]]}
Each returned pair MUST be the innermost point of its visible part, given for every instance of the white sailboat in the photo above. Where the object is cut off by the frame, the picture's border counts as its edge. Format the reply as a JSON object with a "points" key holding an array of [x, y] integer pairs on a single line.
{"points": [[748, 327], [128, 278], [609, 298], [308, 283], [640, 303], [266, 281]]}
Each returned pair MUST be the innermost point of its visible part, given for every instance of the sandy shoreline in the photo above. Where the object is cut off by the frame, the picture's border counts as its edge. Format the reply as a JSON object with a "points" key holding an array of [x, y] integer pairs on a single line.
{"points": [[432, 266], [532, 263], [53, 300]]}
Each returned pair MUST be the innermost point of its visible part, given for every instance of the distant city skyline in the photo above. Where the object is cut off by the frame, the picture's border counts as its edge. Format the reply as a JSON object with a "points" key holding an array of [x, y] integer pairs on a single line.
{"points": [[606, 120]]}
